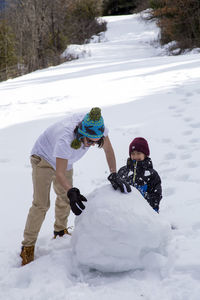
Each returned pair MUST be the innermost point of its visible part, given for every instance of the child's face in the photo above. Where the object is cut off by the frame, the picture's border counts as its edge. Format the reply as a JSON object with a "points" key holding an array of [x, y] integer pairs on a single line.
{"points": [[138, 156]]}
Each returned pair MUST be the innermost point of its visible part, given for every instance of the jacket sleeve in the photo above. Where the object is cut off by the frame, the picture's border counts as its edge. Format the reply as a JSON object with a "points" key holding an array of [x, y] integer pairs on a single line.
{"points": [[154, 191]]}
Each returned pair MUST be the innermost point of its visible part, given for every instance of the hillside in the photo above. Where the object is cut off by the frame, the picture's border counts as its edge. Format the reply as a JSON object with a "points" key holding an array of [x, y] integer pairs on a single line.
{"points": [[142, 92]]}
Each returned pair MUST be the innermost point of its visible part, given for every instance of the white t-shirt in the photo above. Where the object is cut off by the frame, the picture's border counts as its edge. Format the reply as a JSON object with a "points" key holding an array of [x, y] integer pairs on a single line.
{"points": [[56, 140]]}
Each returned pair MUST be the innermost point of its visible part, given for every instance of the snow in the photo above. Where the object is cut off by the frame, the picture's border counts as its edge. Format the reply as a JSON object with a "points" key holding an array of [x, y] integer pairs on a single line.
{"points": [[142, 92], [118, 232]]}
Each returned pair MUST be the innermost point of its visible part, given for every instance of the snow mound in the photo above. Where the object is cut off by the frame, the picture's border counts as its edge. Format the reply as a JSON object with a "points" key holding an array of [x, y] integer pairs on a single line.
{"points": [[75, 52], [118, 232]]}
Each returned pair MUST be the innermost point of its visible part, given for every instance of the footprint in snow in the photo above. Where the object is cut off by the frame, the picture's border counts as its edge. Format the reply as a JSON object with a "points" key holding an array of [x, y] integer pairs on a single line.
{"points": [[195, 140], [196, 226], [187, 132], [167, 172], [169, 191], [181, 147], [172, 107], [180, 110], [182, 177], [4, 160], [193, 164], [177, 115], [185, 156], [189, 94], [170, 155], [185, 101], [195, 125], [166, 140], [187, 119]]}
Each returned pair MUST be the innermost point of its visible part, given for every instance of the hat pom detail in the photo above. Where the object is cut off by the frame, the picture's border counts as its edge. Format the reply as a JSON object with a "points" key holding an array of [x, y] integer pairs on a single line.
{"points": [[95, 114], [76, 144]]}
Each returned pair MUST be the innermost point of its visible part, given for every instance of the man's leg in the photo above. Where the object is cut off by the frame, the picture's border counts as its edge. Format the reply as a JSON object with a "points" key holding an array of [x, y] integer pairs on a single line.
{"points": [[62, 206], [42, 176]]}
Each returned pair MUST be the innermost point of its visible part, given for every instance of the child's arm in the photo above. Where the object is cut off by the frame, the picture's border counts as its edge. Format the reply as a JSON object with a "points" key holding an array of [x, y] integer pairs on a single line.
{"points": [[154, 191]]}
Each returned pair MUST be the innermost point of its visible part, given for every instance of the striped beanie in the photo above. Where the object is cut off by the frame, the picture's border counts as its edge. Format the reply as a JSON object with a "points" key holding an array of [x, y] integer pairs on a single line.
{"points": [[92, 125]]}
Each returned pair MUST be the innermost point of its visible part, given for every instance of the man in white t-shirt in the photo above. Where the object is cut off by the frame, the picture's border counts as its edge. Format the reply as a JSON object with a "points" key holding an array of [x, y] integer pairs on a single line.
{"points": [[52, 158]]}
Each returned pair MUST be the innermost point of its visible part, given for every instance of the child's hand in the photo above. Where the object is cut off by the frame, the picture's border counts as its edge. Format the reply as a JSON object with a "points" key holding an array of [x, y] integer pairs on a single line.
{"points": [[117, 182]]}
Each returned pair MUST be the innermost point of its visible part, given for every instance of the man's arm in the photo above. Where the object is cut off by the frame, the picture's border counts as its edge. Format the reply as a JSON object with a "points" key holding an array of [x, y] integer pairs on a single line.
{"points": [[75, 198], [61, 166], [110, 155]]}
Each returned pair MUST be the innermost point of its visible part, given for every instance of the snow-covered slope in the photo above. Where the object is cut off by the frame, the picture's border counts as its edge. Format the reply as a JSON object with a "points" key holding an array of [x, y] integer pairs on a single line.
{"points": [[142, 92]]}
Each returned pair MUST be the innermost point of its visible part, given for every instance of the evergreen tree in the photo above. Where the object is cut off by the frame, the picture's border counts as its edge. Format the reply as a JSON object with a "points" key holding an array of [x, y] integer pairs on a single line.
{"points": [[119, 7], [7, 47]]}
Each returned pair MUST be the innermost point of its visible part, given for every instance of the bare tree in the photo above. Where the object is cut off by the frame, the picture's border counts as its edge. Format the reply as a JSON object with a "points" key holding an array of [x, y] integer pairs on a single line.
{"points": [[43, 28]]}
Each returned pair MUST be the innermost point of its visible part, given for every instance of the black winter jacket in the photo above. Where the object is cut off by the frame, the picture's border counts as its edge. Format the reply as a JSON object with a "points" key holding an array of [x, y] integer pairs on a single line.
{"points": [[142, 176]]}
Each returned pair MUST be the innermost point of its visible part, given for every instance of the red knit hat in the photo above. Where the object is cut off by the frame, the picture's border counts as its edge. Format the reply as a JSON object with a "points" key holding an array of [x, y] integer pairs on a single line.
{"points": [[139, 144]]}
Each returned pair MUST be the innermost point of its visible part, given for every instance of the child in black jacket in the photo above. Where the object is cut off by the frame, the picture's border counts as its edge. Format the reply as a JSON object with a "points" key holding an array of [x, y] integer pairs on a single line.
{"points": [[139, 173]]}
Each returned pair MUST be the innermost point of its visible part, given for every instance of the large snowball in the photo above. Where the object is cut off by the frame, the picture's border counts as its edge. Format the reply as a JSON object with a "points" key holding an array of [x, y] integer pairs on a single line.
{"points": [[118, 232]]}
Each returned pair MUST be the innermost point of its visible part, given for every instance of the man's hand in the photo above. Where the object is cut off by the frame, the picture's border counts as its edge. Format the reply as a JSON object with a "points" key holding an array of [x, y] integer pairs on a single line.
{"points": [[75, 199], [117, 182]]}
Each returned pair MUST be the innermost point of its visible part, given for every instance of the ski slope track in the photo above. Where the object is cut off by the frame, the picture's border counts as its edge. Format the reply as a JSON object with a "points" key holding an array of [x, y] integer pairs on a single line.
{"points": [[142, 92]]}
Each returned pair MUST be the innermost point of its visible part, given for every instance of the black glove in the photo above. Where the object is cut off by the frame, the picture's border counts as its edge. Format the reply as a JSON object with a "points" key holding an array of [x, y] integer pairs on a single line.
{"points": [[117, 182], [75, 199]]}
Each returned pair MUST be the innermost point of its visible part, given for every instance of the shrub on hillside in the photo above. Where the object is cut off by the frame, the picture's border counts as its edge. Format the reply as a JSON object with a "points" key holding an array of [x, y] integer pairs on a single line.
{"points": [[155, 4], [179, 21], [81, 20], [119, 7]]}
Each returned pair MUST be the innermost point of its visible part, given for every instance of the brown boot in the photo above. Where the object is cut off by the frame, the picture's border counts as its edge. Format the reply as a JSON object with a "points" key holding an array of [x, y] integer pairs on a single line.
{"points": [[27, 254], [61, 233]]}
